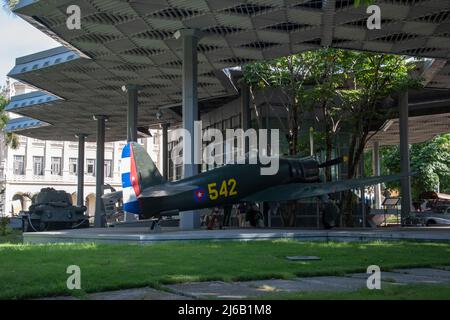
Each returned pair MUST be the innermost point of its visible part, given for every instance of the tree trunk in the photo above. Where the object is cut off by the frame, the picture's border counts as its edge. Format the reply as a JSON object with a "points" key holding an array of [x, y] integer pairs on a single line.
{"points": [[288, 214], [357, 149], [329, 151]]}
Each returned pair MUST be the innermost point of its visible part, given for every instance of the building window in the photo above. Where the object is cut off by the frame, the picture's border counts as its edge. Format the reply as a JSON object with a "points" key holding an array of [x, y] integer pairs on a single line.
{"points": [[73, 166], [90, 167], [108, 168], [19, 165], [56, 166], [38, 166]]}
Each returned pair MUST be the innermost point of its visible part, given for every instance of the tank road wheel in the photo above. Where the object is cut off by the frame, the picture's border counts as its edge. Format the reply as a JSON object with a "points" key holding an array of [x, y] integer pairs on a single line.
{"points": [[43, 226], [35, 225]]}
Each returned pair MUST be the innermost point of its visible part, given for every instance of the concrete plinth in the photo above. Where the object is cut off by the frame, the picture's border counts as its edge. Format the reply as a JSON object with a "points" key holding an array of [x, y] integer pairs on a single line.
{"points": [[189, 220]]}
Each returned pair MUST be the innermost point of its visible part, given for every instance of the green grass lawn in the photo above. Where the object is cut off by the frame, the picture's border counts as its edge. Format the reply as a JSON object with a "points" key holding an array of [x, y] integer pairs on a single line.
{"points": [[387, 292], [12, 236], [40, 270]]}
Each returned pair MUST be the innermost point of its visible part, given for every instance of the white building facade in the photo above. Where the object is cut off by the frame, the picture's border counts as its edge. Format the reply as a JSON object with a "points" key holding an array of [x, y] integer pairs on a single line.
{"points": [[38, 164]]}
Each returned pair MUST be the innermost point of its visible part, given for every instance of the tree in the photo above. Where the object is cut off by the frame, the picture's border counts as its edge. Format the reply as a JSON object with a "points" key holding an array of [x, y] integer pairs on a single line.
{"points": [[10, 4], [10, 139], [375, 78], [330, 73], [430, 161], [289, 75]]}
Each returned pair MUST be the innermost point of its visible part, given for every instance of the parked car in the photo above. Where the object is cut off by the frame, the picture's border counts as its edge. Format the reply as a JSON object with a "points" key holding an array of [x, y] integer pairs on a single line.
{"points": [[439, 215]]}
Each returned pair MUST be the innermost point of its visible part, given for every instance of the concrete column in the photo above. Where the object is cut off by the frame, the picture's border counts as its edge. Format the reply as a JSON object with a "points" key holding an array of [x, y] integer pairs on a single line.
{"points": [[99, 220], [404, 155], [246, 114], [47, 159], [165, 151], [80, 168], [132, 111], [376, 170], [189, 38], [311, 141], [132, 116], [28, 165]]}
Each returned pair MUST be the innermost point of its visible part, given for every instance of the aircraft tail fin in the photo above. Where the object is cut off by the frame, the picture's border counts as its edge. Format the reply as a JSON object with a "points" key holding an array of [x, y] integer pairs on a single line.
{"points": [[138, 172]]}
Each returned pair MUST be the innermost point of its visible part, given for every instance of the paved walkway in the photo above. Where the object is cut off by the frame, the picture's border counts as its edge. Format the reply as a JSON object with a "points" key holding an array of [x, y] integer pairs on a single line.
{"points": [[247, 289], [144, 236]]}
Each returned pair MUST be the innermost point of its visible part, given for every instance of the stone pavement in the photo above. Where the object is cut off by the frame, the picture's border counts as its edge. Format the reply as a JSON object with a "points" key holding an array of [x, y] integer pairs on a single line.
{"points": [[141, 235], [258, 288]]}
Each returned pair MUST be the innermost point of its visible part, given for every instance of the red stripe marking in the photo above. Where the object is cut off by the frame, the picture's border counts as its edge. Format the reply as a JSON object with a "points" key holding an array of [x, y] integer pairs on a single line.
{"points": [[133, 174]]}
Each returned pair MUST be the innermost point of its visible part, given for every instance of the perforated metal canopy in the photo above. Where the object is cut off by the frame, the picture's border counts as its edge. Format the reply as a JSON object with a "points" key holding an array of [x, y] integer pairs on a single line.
{"points": [[132, 41]]}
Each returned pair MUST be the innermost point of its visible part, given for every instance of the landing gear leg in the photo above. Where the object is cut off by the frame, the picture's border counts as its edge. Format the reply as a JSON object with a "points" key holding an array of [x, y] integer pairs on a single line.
{"points": [[155, 226]]}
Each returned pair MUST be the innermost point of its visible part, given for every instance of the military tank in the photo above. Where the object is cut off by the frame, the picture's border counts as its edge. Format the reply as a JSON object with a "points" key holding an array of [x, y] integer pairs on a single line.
{"points": [[53, 210]]}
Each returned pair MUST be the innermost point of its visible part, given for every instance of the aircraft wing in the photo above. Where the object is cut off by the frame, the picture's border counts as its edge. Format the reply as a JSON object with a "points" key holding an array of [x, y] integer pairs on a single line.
{"points": [[166, 189], [295, 191]]}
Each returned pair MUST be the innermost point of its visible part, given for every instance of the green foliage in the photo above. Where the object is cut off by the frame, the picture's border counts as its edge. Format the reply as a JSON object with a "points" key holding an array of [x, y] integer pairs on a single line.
{"points": [[4, 221], [9, 5], [429, 160], [351, 89], [10, 138], [289, 75], [366, 2], [374, 78]]}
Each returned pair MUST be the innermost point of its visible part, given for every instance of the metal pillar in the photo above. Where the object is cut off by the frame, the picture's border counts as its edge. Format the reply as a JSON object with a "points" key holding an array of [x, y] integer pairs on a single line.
{"points": [[376, 170], [311, 141], [99, 221], [404, 156], [189, 38], [245, 107], [165, 152], [80, 168], [132, 111]]}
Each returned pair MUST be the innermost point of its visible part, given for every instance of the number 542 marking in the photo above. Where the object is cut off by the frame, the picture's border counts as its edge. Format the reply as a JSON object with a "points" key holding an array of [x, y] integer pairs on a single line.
{"points": [[227, 189]]}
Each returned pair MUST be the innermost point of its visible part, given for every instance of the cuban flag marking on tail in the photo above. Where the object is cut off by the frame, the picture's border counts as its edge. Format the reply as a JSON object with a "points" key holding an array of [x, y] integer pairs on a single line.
{"points": [[130, 181]]}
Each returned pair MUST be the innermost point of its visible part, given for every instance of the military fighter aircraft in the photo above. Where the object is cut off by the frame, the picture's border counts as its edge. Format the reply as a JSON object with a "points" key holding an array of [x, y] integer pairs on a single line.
{"points": [[147, 194]]}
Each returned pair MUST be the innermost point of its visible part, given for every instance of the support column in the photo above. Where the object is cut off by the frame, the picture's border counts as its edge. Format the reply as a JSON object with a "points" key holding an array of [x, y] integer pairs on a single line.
{"points": [[165, 151], [404, 156], [99, 221], [311, 141], [245, 107], [189, 38], [132, 111], [376, 170], [80, 169]]}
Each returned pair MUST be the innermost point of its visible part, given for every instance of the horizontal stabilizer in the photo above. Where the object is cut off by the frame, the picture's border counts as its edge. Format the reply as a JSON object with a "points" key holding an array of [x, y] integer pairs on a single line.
{"points": [[295, 191]]}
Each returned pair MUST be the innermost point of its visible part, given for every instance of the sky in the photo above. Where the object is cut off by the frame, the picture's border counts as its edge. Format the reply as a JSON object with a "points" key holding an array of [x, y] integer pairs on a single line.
{"points": [[18, 38]]}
